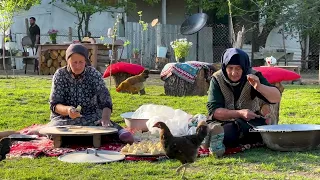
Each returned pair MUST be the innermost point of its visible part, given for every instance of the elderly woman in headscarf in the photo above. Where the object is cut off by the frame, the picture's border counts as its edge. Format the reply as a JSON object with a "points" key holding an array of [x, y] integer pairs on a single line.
{"points": [[233, 102], [79, 84]]}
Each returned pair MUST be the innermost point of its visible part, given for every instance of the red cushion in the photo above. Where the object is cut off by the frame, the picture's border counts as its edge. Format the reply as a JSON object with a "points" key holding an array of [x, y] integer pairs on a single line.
{"points": [[276, 74], [123, 67]]}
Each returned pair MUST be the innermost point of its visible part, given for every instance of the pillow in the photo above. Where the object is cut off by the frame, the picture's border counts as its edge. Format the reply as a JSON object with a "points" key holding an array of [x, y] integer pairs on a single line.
{"points": [[276, 74], [133, 69]]}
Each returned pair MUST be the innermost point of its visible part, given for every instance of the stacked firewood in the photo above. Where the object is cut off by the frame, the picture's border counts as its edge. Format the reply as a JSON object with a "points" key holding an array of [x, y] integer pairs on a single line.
{"points": [[51, 60]]}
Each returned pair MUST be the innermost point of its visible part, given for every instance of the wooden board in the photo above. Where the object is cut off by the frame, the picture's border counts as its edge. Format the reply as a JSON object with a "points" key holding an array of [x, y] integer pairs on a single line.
{"points": [[78, 130]]}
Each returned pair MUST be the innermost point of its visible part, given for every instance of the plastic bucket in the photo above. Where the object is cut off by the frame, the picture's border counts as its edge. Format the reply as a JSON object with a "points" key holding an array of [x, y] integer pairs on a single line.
{"points": [[161, 51]]}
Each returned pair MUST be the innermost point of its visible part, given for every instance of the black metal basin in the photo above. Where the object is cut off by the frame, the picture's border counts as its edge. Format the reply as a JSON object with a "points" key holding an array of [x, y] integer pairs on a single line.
{"points": [[193, 24], [290, 137]]}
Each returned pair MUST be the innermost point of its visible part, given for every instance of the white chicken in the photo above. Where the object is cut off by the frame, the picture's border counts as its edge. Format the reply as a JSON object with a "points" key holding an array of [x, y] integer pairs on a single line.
{"points": [[271, 61]]}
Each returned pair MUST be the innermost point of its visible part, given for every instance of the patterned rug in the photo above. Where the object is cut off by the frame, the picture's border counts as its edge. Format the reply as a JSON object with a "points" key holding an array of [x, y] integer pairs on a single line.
{"points": [[44, 147], [187, 71]]}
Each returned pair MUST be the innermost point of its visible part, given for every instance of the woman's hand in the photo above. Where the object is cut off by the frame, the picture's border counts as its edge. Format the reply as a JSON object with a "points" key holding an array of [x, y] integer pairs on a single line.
{"points": [[73, 113], [106, 122], [247, 115], [253, 80]]}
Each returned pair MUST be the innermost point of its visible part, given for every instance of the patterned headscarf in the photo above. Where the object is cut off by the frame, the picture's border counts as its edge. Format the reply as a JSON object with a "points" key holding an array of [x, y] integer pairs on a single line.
{"points": [[233, 56], [79, 49]]}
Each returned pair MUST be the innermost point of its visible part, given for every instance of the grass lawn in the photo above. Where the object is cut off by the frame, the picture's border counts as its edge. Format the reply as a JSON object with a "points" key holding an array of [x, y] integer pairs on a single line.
{"points": [[24, 101]]}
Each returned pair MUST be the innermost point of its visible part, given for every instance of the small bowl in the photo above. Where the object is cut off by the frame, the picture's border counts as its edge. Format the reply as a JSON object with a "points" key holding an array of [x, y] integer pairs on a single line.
{"points": [[62, 128], [136, 124]]}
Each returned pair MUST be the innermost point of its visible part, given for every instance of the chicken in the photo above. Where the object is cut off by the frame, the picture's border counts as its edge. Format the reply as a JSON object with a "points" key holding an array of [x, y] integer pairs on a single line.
{"points": [[134, 84], [5, 144], [185, 148]]}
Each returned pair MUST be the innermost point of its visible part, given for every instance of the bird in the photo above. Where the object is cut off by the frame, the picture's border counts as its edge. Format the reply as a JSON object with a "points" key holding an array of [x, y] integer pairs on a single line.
{"points": [[5, 144], [184, 148], [271, 61], [134, 84]]}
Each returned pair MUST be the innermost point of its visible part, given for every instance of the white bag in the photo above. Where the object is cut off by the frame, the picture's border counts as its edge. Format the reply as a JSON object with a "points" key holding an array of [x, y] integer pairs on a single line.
{"points": [[176, 120]]}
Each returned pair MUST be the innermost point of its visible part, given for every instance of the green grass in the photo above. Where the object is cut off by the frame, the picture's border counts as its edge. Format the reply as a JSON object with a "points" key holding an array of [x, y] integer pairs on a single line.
{"points": [[24, 101]]}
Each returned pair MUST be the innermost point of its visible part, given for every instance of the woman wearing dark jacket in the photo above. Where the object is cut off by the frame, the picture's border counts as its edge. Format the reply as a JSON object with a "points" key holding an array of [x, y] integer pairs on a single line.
{"points": [[233, 102], [79, 84]]}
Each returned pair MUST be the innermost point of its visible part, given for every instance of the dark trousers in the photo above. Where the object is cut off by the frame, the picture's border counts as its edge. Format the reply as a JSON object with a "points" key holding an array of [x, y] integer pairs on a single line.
{"points": [[237, 132]]}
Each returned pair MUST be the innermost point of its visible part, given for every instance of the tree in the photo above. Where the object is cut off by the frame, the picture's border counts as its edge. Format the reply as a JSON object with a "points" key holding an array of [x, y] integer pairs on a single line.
{"points": [[302, 19], [7, 10], [258, 13], [84, 10]]}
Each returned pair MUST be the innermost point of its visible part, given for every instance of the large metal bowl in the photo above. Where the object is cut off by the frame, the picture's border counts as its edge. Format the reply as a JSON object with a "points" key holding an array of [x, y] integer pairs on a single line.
{"points": [[136, 124], [290, 137]]}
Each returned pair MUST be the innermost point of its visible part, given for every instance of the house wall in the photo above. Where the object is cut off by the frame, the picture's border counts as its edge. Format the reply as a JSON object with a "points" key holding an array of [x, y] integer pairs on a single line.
{"points": [[61, 17], [176, 12]]}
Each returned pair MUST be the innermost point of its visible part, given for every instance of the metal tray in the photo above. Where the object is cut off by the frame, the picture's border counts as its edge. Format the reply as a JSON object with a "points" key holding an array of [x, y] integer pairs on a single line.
{"points": [[290, 137]]}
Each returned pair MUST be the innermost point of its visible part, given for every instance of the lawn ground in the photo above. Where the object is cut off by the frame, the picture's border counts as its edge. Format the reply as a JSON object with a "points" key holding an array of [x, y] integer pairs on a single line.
{"points": [[24, 101]]}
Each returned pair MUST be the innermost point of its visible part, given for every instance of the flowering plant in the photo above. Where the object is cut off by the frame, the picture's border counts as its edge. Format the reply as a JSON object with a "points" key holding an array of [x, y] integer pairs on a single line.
{"points": [[181, 47], [53, 34]]}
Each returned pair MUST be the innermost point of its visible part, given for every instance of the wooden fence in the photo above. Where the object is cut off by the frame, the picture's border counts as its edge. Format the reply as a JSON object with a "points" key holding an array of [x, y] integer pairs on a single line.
{"points": [[146, 41]]}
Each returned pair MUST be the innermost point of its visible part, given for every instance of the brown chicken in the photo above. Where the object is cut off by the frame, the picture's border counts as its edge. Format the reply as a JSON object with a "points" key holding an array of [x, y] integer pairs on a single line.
{"points": [[185, 148], [134, 84]]}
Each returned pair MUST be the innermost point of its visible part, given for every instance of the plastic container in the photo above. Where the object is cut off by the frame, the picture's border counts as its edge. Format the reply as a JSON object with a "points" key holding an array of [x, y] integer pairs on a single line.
{"points": [[161, 51]]}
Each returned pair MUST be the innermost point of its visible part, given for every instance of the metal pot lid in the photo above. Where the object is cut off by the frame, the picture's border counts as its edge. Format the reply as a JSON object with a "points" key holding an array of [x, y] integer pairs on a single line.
{"points": [[91, 155], [288, 128]]}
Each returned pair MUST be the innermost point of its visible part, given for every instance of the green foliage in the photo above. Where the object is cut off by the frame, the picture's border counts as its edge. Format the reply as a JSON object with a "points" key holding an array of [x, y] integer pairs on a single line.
{"points": [[135, 50], [181, 47], [86, 8], [142, 23], [302, 16], [126, 43], [9, 7], [152, 2]]}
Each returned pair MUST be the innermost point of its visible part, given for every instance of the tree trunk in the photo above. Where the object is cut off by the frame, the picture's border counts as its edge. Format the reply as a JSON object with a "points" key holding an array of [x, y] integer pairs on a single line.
{"points": [[255, 33], [86, 24], [80, 19], [175, 86], [4, 55]]}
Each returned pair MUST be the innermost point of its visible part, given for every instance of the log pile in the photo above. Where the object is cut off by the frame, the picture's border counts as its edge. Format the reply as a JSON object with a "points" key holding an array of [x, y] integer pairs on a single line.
{"points": [[175, 86], [51, 60]]}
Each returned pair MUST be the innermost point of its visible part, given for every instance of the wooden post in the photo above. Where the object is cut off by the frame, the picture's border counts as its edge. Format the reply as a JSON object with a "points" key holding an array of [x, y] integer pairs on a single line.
{"points": [[70, 34], [27, 26], [57, 142], [164, 12], [284, 46], [307, 46], [94, 56], [158, 31]]}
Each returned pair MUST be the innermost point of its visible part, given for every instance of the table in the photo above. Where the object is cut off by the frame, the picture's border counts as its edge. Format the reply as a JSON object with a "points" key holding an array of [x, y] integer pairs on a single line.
{"points": [[58, 132], [26, 59]]}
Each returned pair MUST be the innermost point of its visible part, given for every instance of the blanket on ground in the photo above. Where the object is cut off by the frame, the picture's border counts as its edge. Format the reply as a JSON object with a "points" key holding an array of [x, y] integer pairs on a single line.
{"points": [[187, 71], [44, 147]]}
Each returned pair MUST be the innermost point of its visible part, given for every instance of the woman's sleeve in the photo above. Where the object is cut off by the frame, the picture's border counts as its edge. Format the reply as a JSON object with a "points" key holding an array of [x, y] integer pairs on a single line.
{"points": [[103, 95], [215, 97], [57, 95], [263, 81]]}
